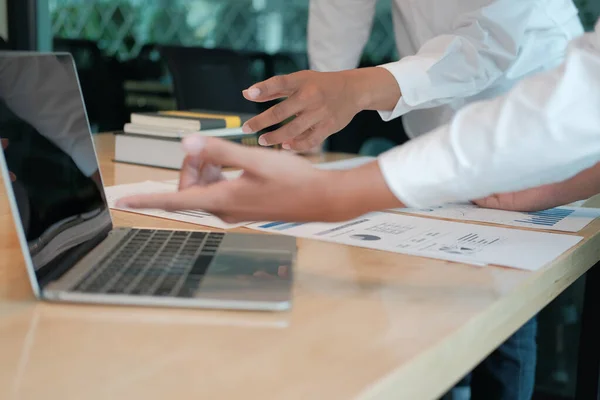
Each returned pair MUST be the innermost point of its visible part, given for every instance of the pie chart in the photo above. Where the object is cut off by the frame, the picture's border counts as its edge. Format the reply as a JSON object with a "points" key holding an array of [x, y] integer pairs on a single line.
{"points": [[369, 238]]}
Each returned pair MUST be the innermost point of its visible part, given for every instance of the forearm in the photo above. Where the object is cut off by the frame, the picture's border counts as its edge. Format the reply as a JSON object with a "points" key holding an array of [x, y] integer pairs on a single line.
{"points": [[546, 130], [580, 187], [354, 192]]}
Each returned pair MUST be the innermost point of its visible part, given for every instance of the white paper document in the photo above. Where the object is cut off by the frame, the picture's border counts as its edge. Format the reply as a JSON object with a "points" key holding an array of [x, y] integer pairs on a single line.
{"points": [[567, 219], [113, 193], [446, 240]]}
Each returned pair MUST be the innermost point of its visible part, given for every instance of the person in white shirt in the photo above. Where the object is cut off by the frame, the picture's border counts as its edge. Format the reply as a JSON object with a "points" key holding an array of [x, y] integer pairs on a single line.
{"points": [[451, 54], [536, 147], [543, 134]]}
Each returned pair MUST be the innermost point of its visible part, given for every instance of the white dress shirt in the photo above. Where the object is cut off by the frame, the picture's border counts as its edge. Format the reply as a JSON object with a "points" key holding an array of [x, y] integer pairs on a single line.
{"points": [[453, 52], [545, 130]]}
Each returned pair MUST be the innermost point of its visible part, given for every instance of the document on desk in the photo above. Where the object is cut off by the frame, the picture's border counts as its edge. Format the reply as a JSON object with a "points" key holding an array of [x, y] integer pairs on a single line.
{"points": [[566, 219], [113, 193], [426, 237]]}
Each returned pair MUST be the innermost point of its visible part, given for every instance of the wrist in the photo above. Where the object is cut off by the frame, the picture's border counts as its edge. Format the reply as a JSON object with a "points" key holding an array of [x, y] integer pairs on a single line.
{"points": [[354, 192], [358, 89], [373, 88]]}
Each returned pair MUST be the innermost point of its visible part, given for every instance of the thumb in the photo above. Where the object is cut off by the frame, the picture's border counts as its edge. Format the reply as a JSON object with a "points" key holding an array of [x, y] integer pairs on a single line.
{"points": [[196, 172], [224, 153]]}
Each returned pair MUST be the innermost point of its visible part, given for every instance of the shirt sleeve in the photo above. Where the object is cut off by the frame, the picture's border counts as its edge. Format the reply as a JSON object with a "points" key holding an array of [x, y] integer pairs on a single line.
{"points": [[545, 130], [483, 45], [338, 31]]}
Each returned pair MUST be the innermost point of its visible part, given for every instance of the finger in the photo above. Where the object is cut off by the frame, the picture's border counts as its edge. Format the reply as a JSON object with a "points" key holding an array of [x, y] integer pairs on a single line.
{"points": [[493, 201], [207, 198], [274, 115], [227, 218], [308, 140], [273, 88], [190, 172], [292, 130], [195, 172], [13, 177], [226, 153], [4, 143], [263, 274]]}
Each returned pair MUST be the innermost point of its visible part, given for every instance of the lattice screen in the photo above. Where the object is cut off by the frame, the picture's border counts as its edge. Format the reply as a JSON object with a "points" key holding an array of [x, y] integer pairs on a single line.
{"points": [[122, 27]]}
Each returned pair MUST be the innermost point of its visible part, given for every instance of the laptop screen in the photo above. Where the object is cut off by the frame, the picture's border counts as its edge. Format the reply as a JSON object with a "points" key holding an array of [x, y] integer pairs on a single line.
{"points": [[51, 161]]}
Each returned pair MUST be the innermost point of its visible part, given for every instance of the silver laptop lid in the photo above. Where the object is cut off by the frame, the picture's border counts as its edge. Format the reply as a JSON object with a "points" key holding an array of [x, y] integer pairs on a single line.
{"points": [[49, 164]]}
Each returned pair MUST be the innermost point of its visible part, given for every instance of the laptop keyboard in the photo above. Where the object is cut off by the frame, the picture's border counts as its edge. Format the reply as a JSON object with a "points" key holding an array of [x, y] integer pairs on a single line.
{"points": [[154, 263]]}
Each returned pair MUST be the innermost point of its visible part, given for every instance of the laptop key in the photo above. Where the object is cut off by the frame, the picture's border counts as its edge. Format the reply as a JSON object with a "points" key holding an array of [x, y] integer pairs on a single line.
{"points": [[201, 265]]}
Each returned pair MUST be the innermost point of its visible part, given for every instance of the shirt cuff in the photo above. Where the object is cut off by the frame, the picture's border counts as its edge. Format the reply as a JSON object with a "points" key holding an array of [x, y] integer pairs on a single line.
{"points": [[411, 76], [422, 172]]}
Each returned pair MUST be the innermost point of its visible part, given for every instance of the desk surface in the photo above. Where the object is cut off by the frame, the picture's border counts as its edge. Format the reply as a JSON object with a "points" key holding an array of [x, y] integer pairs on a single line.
{"points": [[364, 324]]}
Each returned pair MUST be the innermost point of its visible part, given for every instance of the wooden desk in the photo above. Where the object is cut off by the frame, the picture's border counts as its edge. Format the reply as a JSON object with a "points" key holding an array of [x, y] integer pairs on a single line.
{"points": [[365, 324]]}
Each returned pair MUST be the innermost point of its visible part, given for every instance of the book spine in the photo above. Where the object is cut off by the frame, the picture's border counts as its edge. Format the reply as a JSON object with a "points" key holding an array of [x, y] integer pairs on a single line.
{"points": [[244, 139], [165, 122], [208, 124]]}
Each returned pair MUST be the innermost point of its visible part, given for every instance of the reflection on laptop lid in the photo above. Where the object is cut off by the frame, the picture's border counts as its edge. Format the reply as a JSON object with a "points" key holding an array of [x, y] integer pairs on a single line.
{"points": [[49, 157]]}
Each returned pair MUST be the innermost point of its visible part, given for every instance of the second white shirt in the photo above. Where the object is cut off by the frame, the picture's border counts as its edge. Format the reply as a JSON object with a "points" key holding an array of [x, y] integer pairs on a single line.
{"points": [[453, 52]]}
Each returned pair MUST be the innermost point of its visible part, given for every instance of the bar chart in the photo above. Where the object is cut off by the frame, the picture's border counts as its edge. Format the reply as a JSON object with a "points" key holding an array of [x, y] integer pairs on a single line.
{"points": [[566, 219], [547, 217]]}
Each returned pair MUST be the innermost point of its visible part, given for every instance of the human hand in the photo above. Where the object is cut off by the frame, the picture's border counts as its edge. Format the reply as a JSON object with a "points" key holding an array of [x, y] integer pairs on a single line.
{"points": [[13, 178], [275, 186], [535, 199], [581, 186], [322, 103]]}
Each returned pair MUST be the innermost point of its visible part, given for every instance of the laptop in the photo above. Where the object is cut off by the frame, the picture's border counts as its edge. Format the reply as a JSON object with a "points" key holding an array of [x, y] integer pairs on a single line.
{"points": [[72, 250]]}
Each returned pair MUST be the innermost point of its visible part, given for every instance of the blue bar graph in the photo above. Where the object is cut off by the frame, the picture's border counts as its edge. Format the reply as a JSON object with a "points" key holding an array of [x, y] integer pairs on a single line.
{"points": [[272, 224], [281, 226], [547, 217]]}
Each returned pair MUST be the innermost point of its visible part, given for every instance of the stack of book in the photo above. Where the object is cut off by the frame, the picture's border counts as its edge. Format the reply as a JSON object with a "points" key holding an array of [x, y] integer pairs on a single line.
{"points": [[154, 139]]}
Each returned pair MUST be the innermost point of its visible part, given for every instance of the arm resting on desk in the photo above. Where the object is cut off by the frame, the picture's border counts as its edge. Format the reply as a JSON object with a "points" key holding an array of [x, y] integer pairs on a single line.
{"points": [[275, 186], [582, 186], [545, 130]]}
